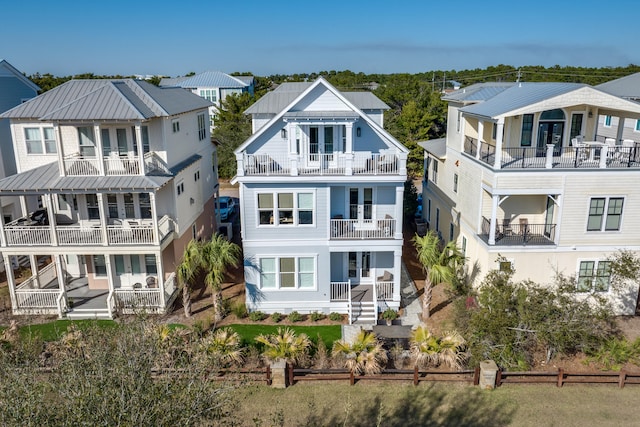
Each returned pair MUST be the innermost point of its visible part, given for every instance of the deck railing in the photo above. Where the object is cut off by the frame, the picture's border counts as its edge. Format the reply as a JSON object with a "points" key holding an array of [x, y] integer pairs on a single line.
{"points": [[170, 286], [28, 235], [37, 298], [76, 165], [121, 166], [130, 300], [384, 291], [130, 235], [79, 235], [340, 291], [345, 229], [323, 164], [520, 233]]}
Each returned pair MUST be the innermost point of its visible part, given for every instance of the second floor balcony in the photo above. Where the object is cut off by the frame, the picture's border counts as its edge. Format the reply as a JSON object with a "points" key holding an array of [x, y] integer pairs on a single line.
{"points": [[338, 163], [519, 233], [114, 164], [349, 229]]}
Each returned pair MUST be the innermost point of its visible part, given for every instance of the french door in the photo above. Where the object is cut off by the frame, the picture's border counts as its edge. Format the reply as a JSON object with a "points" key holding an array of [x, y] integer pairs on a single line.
{"points": [[359, 267], [550, 133], [361, 203]]}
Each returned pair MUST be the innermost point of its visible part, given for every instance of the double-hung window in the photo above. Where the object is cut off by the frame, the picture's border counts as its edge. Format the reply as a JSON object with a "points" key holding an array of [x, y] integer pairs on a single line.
{"points": [[99, 265], [594, 276], [527, 130], [202, 130], [286, 208], [40, 140], [287, 272], [605, 213], [434, 171]]}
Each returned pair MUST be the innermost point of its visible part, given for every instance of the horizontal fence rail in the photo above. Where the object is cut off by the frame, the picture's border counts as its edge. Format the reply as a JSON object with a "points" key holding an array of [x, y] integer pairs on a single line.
{"points": [[561, 377]]}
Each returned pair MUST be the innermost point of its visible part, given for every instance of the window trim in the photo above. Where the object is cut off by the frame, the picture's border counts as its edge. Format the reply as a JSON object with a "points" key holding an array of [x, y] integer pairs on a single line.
{"points": [[594, 276], [202, 127], [296, 208], [95, 269], [607, 121], [42, 140], [297, 272], [605, 214], [434, 171], [175, 125], [455, 183], [637, 127]]}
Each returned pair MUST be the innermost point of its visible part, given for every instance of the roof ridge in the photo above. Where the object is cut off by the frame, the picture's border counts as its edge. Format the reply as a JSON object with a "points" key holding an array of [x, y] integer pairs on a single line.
{"points": [[151, 98]]}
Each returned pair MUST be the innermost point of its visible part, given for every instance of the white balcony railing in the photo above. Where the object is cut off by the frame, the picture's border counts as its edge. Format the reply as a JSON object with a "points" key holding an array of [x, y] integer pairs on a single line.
{"points": [[133, 300], [340, 291], [76, 165], [121, 166], [384, 291], [345, 229], [37, 298], [79, 235], [130, 235], [28, 235]]}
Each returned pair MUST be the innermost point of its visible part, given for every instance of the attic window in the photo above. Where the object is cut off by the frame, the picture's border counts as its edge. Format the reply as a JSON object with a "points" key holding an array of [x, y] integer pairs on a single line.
{"points": [[175, 125]]}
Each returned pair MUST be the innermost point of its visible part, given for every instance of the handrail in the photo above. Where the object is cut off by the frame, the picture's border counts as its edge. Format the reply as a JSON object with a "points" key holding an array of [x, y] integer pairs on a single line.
{"points": [[375, 301], [350, 304], [62, 304]]}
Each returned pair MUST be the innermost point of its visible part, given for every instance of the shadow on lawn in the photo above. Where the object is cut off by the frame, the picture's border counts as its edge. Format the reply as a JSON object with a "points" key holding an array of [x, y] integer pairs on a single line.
{"points": [[420, 407]]}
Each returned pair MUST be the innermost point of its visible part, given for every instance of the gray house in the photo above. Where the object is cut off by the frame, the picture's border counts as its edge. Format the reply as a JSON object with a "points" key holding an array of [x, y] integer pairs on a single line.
{"points": [[321, 189]]}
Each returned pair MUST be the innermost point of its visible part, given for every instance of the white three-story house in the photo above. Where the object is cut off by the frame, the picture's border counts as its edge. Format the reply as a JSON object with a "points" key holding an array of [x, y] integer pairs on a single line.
{"points": [[321, 190], [114, 178], [528, 176]]}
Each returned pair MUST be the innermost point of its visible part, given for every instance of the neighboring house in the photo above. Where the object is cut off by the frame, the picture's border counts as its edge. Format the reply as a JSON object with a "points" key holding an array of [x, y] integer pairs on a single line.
{"points": [[213, 86], [525, 174], [629, 88], [321, 191], [115, 177], [15, 89]]}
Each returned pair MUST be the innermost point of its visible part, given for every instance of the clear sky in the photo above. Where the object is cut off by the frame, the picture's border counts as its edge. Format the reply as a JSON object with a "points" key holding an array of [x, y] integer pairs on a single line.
{"points": [[128, 37]]}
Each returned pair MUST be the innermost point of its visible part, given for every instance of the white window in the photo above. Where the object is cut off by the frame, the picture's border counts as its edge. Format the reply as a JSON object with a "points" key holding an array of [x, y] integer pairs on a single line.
{"points": [[86, 142], [175, 126], [209, 94], [605, 213], [594, 276], [202, 130], [286, 208], [40, 140], [434, 171], [288, 272]]}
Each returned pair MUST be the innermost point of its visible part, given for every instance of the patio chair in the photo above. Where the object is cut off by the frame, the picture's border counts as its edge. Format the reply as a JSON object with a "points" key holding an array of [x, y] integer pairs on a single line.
{"points": [[506, 227], [524, 226]]}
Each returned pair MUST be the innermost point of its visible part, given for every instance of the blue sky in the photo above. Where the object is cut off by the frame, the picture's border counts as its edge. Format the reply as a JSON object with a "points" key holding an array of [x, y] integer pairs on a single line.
{"points": [[284, 37]]}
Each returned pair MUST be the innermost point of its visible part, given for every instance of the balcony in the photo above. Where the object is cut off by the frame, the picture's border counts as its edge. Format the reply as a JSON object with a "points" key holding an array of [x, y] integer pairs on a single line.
{"points": [[519, 234], [353, 229], [590, 155], [335, 164], [25, 232], [113, 165]]}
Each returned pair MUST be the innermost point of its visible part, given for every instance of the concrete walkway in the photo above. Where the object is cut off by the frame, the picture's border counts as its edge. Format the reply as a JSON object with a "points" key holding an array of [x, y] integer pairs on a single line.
{"points": [[409, 300]]}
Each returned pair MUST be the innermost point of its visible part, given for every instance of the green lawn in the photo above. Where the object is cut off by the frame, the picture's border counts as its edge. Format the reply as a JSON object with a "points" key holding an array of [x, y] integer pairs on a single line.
{"points": [[54, 330], [329, 334]]}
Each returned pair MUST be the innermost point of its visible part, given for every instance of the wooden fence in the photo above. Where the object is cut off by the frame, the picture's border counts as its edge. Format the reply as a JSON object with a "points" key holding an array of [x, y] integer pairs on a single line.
{"points": [[562, 377]]}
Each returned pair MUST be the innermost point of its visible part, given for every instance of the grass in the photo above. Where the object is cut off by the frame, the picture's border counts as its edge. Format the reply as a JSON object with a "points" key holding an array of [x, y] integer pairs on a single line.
{"points": [[377, 403], [329, 334]]}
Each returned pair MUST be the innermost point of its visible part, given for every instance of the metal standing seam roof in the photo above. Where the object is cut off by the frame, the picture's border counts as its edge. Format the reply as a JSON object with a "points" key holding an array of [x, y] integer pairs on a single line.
{"points": [[47, 179], [119, 99], [321, 114], [437, 147], [211, 79], [625, 87], [179, 167], [519, 96], [478, 92]]}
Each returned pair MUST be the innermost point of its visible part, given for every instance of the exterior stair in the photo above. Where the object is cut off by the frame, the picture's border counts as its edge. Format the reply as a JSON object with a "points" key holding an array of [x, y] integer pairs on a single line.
{"points": [[89, 313], [364, 313]]}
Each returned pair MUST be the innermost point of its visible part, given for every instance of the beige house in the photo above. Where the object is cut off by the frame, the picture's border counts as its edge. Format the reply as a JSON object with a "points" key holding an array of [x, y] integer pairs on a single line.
{"points": [[525, 173], [114, 178]]}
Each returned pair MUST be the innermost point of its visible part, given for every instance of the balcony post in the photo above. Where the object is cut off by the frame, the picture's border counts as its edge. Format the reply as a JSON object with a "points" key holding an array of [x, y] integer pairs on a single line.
{"points": [[33, 263], [160, 279], [11, 281], [397, 271], [107, 263], [499, 142], [348, 163], [293, 161], [493, 221], [139, 148], [52, 220], [3, 235], [240, 161], [480, 135], [99, 150], [154, 218], [60, 274], [549, 160], [402, 163], [604, 153], [348, 148], [103, 219], [399, 214], [58, 134]]}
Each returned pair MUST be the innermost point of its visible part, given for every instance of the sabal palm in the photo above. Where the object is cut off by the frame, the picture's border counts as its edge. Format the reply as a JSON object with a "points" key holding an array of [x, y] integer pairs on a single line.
{"points": [[364, 354], [186, 271], [439, 263], [285, 345], [427, 349], [217, 255], [225, 346]]}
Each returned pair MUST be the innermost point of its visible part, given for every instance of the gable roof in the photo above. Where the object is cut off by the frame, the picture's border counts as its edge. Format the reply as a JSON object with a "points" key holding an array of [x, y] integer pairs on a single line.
{"points": [[206, 79], [7, 70], [118, 99], [478, 92], [626, 87], [310, 87]]}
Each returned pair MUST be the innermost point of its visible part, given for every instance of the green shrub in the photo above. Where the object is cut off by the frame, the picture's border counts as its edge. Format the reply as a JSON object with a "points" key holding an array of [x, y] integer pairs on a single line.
{"points": [[294, 317], [257, 316], [616, 352], [316, 316], [335, 317], [276, 317], [240, 310]]}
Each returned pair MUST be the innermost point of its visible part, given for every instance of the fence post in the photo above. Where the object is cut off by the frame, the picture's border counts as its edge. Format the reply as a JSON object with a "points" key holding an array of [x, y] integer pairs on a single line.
{"points": [[476, 375], [352, 379], [560, 377], [268, 374], [415, 375], [290, 366], [622, 379], [499, 378]]}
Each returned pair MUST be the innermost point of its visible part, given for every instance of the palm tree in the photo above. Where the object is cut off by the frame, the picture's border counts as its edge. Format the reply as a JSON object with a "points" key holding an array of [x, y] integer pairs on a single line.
{"points": [[224, 346], [427, 349], [439, 263], [364, 354], [285, 345], [217, 255], [186, 272]]}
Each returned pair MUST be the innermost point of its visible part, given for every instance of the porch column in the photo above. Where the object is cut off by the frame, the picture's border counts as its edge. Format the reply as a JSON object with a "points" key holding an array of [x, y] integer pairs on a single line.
{"points": [[349, 138], [138, 131], [499, 137], [107, 262], [11, 282], [399, 214], [397, 272], [154, 218], [493, 221], [3, 236], [33, 263], [58, 134], [52, 219], [23, 206], [603, 156], [548, 164], [291, 138], [61, 278], [480, 135], [99, 150], [619, 134], [240, 162], [160, 279], [103, 219]]}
